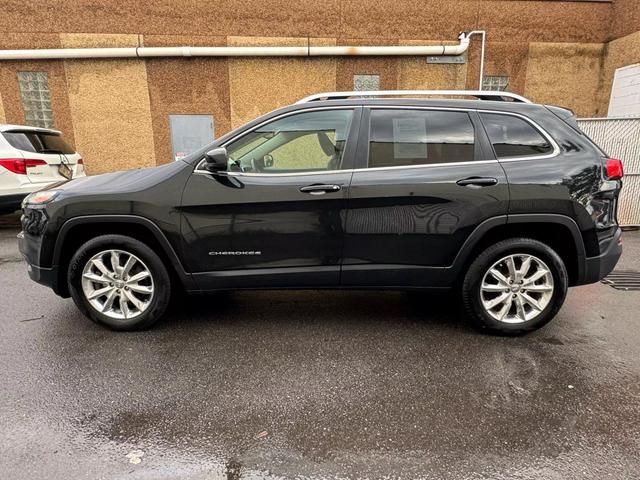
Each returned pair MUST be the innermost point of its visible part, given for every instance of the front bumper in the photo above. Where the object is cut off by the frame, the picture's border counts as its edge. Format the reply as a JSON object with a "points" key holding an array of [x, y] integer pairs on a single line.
{"points": [[596, 268], [11, 203], [44, 276]]}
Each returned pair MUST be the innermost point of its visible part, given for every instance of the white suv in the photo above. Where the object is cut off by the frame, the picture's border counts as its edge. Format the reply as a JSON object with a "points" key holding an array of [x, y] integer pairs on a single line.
{"points": [[30, 159]]}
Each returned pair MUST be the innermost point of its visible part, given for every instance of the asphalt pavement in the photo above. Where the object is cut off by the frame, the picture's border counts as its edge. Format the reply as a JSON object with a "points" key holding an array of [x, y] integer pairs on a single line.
{"points": [[317, 384]]}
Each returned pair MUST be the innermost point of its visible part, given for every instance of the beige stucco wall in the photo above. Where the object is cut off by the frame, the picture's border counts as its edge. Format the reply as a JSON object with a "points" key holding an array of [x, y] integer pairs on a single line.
{"points": [[110, 108], [414, 73], [565, 74], [619, 53], [258, 85], [3, 118]]}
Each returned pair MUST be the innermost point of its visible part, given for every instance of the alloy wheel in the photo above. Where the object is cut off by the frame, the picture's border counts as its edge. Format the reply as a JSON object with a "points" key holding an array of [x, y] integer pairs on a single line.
{"points": [[516, 288], [117, 284]]}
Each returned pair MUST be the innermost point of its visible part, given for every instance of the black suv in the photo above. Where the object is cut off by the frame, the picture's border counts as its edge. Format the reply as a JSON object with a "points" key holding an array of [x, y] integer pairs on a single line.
{"points": [[505, 200]]}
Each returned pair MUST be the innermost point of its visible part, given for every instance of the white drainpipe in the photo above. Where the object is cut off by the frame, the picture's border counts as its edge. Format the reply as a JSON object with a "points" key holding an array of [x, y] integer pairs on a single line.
{"points": [[307, 51]]}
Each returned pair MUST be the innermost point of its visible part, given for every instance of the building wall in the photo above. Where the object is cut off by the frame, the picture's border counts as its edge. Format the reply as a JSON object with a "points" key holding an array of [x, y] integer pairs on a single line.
{"points": [[117, 111], [3, 118], [110, 106], [576, 69], [625, 18], [618, 53]]}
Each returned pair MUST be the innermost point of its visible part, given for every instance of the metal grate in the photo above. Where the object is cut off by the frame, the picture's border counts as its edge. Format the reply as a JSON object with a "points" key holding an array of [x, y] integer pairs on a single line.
{"points": [[623, 280], [620, 138]]}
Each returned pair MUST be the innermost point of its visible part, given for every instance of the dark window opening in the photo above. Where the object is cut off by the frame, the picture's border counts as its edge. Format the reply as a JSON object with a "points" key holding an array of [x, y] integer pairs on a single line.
{"points": [[514, 137], [414, 137], [38, 142]]}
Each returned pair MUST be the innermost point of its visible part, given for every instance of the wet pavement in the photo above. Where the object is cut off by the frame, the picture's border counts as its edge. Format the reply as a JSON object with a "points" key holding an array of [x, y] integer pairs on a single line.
{"points": [[250, 385]]}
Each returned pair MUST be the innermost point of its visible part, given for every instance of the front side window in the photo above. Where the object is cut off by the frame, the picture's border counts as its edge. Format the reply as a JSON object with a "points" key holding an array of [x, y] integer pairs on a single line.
{"points": [[514, 137], [310, 141], [419, 137]]}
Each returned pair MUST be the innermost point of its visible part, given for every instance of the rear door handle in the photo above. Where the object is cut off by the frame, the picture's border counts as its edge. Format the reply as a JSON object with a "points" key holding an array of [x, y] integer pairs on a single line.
{"points": [[320, 189], [477, 182]]}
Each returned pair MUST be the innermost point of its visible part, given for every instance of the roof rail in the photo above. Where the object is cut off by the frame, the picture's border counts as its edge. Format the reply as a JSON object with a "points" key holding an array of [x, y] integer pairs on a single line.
{"points": [[479, 94]]}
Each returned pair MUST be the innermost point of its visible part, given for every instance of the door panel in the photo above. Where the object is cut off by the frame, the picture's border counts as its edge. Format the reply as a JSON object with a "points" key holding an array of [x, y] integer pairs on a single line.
{"points": [[405, 224], [255, 228]]}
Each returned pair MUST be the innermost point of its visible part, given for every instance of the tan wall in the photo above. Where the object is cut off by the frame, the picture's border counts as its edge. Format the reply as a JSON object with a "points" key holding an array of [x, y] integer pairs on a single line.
{"points": [[186, 86], [564, 74], [117, 111], [415, 73], [258, 85], [110, 106], [10, 90], [3, 118], [625, 18], [437, 19], [619, 53]]}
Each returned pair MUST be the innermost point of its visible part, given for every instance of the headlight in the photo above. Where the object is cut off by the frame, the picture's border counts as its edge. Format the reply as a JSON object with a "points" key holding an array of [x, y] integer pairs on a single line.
{"points": [[41, 197]]}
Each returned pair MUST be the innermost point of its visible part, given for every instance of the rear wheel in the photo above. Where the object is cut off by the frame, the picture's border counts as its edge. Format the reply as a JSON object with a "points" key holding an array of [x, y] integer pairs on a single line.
{"points": [[119, 282], [515, 286]]}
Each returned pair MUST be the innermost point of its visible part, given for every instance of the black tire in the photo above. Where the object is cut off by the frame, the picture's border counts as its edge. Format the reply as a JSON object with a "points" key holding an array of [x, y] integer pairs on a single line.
{"points": [[160, 277], [471, 296]]}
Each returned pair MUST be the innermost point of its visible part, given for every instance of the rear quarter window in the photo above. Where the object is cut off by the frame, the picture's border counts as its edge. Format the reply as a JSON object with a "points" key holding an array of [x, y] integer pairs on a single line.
{"points": [[512, 136], [38, 142]]}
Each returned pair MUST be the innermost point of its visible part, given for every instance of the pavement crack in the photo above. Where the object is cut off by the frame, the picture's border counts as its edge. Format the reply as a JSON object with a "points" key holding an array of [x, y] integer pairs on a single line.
{"points": [[32, 319]]}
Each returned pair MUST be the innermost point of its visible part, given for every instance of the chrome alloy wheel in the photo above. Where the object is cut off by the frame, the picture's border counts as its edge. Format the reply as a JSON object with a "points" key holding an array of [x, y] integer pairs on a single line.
{"points": [[118, 284], [517, 288]]}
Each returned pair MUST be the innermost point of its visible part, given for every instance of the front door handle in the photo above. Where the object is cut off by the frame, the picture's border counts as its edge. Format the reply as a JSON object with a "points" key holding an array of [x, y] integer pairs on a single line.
{"points": [[320, 189], [477, 182]]}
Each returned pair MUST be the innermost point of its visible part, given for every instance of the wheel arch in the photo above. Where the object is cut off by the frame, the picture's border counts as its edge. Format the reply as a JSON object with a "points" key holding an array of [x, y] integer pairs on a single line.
{"points": [[76, 231], [558, 231]]}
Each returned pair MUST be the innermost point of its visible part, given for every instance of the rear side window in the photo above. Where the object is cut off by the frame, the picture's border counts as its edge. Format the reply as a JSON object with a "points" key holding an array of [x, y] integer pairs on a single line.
{"points": [[514, 137], [38, 142], [419, 137]]}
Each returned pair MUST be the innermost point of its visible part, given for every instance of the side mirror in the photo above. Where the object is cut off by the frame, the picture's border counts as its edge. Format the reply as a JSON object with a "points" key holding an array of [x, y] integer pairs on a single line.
{"points": [[216, 160]]}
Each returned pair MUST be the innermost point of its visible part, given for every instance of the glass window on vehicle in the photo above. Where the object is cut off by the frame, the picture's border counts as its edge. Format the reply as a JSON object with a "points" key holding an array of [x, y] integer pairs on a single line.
{"points": [[419, 137], [514, 137], [302, 142], [38, 142]]}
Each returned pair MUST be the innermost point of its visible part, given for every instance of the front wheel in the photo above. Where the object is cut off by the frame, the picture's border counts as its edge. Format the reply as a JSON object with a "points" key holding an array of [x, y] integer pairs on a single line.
{"points": [[119, 282], [515, 286]]}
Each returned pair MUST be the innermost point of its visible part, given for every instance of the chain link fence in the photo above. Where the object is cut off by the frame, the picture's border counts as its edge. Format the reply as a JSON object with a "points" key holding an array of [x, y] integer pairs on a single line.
{"points": [[620, 138]]}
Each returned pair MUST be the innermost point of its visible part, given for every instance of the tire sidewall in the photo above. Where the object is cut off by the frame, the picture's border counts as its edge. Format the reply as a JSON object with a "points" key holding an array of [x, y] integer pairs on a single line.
{"points": [[475, 274], [161, 281]]}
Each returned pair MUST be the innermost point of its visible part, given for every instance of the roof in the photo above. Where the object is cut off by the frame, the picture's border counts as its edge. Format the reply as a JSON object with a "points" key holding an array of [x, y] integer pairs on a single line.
{"points": [[421, 102]]}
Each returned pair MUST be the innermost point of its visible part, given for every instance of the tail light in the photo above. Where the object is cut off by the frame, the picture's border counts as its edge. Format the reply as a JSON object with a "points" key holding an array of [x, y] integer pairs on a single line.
{"points": [[614, 169], [79, 166], [20, 165]]}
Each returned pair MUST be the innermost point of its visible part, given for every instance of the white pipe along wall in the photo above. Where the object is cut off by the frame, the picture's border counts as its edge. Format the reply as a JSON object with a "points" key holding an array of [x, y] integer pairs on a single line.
{"points": [[306, 51]]}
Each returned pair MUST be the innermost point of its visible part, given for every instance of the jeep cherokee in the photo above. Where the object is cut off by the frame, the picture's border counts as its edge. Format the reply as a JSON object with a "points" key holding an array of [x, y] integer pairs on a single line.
{"points": [[504, 200]]}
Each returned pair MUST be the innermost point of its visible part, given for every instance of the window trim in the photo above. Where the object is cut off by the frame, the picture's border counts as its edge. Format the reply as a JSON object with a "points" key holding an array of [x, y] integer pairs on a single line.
{"points": [[536, 127], [365, 109], [352, 138]]}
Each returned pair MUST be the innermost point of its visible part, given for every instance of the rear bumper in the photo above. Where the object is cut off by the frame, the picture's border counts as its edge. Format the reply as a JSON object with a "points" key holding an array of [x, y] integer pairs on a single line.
{"points": [[596, 268]]}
